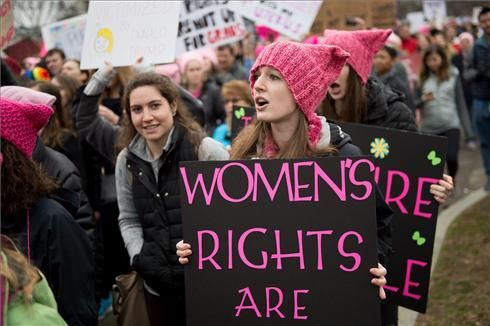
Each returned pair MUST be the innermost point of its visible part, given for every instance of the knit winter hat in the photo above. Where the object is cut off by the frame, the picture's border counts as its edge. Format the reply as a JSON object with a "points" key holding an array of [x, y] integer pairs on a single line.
{"points": [[20, 123], [362, 46], [27, 95], [187, 57], [308, 71]]}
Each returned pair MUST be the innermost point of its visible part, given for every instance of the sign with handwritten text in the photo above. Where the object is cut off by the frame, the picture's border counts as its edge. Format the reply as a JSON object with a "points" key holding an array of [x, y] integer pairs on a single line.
{"points": [[207, 24], [122, 31], [280, 242], [406, 165], [66, 35], [290, 18]]}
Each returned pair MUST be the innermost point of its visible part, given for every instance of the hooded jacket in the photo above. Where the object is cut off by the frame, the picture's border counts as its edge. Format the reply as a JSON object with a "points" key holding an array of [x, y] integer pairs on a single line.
{"points": [[61, 250], [71, 195], [386, 108]]}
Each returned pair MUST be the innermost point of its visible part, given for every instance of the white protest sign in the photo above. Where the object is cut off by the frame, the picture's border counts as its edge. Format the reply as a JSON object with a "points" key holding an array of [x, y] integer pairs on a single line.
{"points": [[290, 18], [416, 20], [435, 10], [66, 35], [474, 16], [122, 31], [207, 24]]}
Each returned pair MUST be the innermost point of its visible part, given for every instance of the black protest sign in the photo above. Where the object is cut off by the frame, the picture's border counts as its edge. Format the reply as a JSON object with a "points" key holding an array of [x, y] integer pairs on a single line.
{"points": [[407, 164], [280, 242], [242, 116]]}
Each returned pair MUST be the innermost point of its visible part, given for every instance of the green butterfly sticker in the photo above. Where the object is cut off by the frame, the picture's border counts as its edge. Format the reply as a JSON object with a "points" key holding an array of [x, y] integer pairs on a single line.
{"points": [[240, 113], [433, 158], [418, 238]]}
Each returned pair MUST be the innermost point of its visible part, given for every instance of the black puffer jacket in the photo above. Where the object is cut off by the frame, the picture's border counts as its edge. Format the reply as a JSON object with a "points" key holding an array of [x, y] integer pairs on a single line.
{"points": [[214, 110], [71, 195], [386, 108]]}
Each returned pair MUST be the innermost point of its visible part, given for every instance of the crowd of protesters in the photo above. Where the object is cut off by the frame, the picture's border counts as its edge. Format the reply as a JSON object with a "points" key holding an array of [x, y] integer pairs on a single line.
{"points": [[89, 159]]}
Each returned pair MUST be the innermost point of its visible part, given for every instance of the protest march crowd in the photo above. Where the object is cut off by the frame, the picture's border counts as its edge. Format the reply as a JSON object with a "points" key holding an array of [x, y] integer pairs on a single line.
{"points": [[90, 179]]}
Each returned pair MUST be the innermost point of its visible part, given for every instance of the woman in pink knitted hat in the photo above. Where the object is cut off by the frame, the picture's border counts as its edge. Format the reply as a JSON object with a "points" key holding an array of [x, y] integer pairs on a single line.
{"points": [[288, 81], [356, 97], [46, 233], [195, 81]]}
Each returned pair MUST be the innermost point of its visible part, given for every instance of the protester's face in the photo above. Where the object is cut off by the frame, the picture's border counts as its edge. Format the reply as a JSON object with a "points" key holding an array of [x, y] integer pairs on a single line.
{"points": [[382, 62], [225, 59], [72, 69], [404, 32], [233, 99], [339, 88], [465, 45], [422, 41], [194, 72], [63, 92], [434, 62], [485, 23], [439, 39], [274, 101], [54, 63], [151, 114]]}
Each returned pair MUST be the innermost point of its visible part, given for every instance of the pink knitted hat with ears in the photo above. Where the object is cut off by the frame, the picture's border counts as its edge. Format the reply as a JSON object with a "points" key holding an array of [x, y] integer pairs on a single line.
{"points": [[20, 123], [308, 71], [362, 46]]}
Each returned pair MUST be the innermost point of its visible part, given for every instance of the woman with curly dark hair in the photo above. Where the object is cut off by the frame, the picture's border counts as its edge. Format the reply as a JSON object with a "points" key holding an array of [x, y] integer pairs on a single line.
{"points": [[45, 232]]}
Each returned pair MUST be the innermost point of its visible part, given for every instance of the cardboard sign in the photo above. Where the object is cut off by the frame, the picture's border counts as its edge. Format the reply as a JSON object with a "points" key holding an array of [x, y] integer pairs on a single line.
{"points": [[280, 242], [122, 31], [435, 10], [416, 20], [207, 24], [407, 164], [66, 35], [242, 117], [7, 29], [290, 18]]}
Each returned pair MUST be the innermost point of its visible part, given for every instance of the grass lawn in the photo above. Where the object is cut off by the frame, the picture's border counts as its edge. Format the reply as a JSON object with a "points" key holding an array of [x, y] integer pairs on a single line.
{"points": [[460, 284]]}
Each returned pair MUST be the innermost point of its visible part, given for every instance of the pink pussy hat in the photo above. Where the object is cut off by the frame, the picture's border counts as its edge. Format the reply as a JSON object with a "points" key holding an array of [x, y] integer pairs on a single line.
{"points": [[362, 46], [308, 71], [20, 123]]}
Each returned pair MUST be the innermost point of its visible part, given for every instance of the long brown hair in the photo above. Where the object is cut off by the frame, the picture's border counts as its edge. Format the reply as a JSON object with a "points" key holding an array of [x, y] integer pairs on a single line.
{"points": [[193, 132], [250, 142], [23, 182], [443, 72], [354, 105], [15, 268], [58, 126]]}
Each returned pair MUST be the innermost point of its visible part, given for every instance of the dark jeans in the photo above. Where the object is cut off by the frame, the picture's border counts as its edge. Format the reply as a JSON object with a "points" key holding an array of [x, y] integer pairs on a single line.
{"points": [[165, 310], [481, 120], [452, 150]]}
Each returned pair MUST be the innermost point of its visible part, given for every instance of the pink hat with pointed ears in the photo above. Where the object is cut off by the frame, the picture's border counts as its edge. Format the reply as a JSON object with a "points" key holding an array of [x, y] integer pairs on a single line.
{"points": [[362, 46], [21, 122], [308, 71]]}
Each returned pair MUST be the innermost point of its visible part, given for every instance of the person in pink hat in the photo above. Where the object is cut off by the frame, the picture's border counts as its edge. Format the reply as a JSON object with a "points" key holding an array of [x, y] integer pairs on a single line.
{"points": [[356, 97], [194, 80], [288, 81], [46, 233]]}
